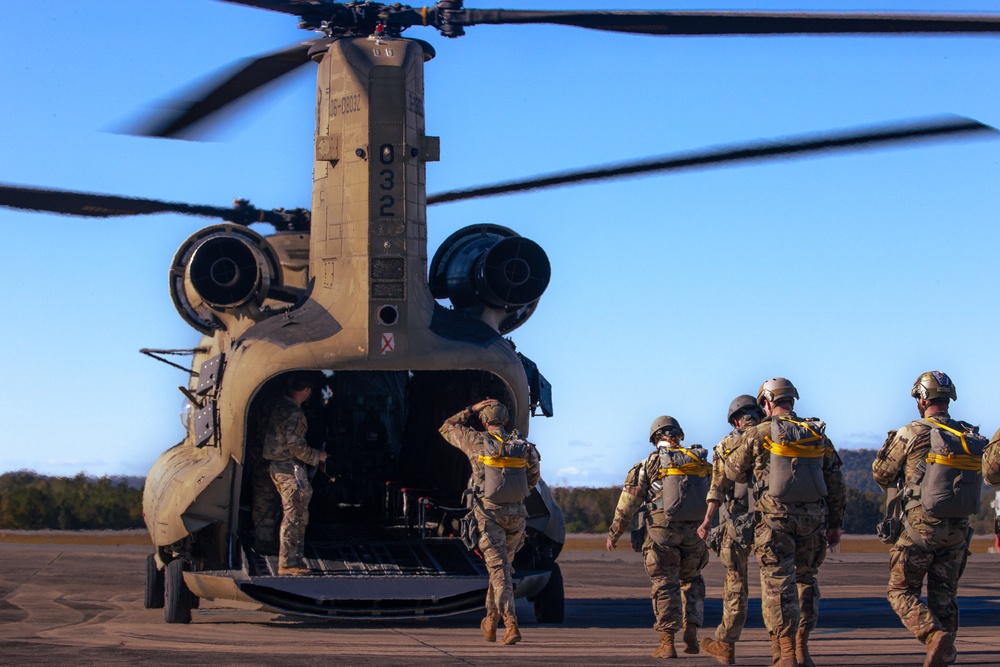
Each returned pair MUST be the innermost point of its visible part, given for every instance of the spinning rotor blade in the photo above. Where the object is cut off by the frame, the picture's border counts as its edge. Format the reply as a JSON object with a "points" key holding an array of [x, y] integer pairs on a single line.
{"points": [[245, 79], [736, 23], [747, 152], [91, 205]]}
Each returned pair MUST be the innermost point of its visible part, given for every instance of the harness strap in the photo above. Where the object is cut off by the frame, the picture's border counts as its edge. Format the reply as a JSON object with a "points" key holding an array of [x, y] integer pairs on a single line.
{"points": [[955, 432], [800, 449], [957, 461], [696, 467], [503, 461]]}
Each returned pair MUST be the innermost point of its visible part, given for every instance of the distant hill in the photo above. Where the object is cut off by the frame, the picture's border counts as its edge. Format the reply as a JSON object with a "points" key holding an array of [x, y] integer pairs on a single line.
{"points": [[857, 468]]}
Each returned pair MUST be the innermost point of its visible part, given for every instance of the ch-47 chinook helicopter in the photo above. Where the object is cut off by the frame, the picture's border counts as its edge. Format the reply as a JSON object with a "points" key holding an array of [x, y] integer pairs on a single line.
{"points": [[346, 289]]}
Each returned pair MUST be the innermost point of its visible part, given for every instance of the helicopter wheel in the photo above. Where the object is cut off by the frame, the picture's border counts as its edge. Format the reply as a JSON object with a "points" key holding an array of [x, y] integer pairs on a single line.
{"points": [[550, 603], [177, 597], [154, 584]]}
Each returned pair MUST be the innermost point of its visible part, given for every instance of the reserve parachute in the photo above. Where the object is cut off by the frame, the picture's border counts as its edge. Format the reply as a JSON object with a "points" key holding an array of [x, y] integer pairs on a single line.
{"points": [[798, 449], [505, 468], [951, 482]]}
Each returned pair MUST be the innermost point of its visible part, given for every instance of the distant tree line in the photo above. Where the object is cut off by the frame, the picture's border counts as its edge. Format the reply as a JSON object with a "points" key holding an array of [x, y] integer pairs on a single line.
{"points": [[29, 501]]}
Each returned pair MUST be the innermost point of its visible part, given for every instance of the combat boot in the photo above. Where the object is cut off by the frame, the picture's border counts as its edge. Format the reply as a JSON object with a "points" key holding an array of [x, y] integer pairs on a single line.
{"points": [[723, 652], [802, 648], [939, 646], [775, 650], [787, 647], [512, 636], [489, 628], [691, 638], [294, 571], [666, 648]]}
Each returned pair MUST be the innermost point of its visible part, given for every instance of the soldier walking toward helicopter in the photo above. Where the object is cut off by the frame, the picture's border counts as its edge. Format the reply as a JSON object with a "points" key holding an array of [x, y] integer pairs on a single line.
{"points": [[799, 491], [672, 483], [735, 532], [937, 462], [505, 468]]}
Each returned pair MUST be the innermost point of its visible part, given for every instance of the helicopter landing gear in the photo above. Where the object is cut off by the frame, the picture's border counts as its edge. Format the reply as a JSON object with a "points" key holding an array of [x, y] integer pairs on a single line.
{"points": [[177, 598], [154, 584], [550, 603]]}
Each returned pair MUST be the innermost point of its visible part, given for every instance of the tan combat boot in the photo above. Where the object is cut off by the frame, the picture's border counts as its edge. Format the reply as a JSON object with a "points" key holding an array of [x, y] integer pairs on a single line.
{"points": [[723, 652], [294, 571], [512, 636], [775, 650], [691, 638], [666, 648], [802, 649], [787, 647], [489, 628], [939, 646]]}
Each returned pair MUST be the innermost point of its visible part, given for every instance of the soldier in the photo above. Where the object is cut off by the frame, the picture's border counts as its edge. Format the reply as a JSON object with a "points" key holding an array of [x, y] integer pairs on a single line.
{"points": [[991, 462], [930, 458], [736, 527], [672, 483], [286, 448], [504, 468], [800, 494]]}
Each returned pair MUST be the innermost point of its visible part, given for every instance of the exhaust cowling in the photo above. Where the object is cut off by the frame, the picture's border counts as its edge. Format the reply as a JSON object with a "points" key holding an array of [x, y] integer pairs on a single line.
{"points": [[220, 269], [490, 272]]}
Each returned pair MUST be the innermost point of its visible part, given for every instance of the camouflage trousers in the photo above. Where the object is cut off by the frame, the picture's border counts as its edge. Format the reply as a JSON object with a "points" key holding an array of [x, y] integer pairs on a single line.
{"points": [[790, 550], [501, 534], [295, 497], [674, 557], [266, 509], [940, 559], [735, 589]]}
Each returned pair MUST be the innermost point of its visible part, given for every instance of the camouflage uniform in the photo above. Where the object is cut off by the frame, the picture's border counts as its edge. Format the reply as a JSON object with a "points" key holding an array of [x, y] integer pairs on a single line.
{"points": [[672, 552], [991, 461], [942, 556], [790, 540], [501, 527], [286, 448], [733, 502]]}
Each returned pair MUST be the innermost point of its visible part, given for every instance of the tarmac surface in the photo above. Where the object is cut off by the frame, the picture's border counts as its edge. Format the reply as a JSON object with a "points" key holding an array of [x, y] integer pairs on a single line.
{"points": [[81, 603]]}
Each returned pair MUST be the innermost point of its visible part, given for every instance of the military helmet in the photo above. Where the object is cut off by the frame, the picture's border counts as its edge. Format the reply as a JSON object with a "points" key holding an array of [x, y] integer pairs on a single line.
{"points": [[664, 422], [494, 413], [774, 390], [934, 384], [742, 402]]}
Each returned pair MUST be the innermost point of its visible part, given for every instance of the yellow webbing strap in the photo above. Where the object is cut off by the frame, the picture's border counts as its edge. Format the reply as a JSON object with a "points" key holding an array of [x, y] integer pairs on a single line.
{"points": [[798, 449], [502, 461], [696, 467], [955, 432]]}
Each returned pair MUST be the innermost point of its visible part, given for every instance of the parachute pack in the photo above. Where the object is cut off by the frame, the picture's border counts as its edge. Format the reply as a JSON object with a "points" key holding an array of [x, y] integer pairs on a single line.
{"points": [[951, 483], [683, 482], [505, 468], [795, 470]]}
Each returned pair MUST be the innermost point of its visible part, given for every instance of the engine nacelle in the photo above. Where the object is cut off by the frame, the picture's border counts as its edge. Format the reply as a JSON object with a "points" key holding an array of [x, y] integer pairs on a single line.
{"points": [[492, 273], [220, 269]]}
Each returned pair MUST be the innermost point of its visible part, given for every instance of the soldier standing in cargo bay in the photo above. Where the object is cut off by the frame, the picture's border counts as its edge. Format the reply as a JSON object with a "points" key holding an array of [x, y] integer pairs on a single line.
{"points": [[505, 468], [672, 483], [799, 491], [938, 463], [734, 533]]}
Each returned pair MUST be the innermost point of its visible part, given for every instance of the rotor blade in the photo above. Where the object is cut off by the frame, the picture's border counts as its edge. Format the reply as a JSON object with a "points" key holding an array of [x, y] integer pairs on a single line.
{"points": [[757, 151], [737, 23], [102, 206], [244, 79]]}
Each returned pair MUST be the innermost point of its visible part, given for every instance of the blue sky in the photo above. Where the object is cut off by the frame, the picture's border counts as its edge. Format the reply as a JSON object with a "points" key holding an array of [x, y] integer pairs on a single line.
{"points": [[670, 294]]}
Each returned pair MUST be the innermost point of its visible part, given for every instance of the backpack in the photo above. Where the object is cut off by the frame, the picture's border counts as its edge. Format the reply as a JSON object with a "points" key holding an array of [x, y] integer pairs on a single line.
{"points": [[795, 470], [682, 484], [505, 468], [951, 483]]}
